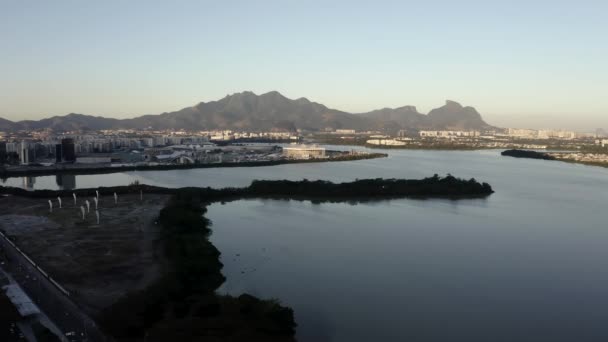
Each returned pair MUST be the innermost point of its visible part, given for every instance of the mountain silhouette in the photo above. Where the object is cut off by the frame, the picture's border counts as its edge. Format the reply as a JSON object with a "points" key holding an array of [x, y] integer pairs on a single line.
{"points": [[268, 112]]}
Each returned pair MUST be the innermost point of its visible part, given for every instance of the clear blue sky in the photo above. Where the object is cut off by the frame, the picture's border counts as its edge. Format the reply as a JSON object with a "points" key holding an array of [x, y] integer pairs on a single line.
{"points": [[520, 63]]}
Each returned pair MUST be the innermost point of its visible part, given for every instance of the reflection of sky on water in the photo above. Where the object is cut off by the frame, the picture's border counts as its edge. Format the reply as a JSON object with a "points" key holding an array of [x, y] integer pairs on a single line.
{"points": [[525, 264]]}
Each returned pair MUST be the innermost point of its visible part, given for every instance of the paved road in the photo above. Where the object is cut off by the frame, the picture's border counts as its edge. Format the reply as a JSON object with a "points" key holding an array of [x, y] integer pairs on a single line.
{"points": [[56, 305]]}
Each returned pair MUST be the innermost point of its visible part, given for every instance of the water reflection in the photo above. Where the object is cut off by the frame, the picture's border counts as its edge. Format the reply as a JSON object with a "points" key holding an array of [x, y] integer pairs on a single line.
{"points": [[66, 182], [432, 270], [29, 183]]}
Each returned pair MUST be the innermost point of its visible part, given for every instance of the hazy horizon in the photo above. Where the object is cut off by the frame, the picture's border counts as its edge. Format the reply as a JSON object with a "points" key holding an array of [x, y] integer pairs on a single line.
{"points": [[538, 65]]}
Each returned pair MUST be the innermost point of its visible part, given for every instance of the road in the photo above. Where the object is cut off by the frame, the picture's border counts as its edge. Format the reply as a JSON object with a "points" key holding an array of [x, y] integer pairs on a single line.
{"points": [[56, 305]]}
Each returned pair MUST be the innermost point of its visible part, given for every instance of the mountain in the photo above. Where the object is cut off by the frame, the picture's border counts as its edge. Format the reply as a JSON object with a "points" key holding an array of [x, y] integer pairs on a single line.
{"points": [[6, 125], [267, 112], [391, 120], [454, 116], [70, 122], [248, 111]]}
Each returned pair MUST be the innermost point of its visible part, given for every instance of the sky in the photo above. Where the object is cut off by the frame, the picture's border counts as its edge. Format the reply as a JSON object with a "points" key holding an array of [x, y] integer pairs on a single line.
{"points": [[534, 63]]}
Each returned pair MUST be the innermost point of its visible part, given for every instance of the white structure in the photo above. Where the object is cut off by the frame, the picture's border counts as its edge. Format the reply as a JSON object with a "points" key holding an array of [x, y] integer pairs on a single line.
{"points": [[448, 134], [522, 133], [304, 152], [24, 155], [95, 200], [22, 302], [115, 198], [50, 206], [97, 215], [59, 200], [74, 195], [97, 194], [346, 131], [88, 206], [387, 142], [82, 211]]}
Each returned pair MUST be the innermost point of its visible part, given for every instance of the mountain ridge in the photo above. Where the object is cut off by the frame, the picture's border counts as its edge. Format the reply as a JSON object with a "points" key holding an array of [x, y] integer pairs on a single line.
{"points": [[266, 112]]}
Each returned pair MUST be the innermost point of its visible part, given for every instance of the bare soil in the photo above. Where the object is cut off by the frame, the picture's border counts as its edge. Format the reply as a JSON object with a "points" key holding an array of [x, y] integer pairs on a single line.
{"points": [[97, 263]]}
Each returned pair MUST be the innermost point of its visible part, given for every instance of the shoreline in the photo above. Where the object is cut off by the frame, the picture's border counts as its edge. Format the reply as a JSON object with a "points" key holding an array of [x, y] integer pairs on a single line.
{"points": [[189, 288], [365, 189], [110, 169], [551, 156]]}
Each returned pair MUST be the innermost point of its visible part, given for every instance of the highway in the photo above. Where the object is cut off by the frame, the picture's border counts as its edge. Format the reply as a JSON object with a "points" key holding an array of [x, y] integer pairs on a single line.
{"points": [[49, 295]]}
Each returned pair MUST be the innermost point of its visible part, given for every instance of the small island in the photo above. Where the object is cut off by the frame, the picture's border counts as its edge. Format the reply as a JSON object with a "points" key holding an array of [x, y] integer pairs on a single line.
{"points": [[591, 158], [181, 301], [527, 154]]}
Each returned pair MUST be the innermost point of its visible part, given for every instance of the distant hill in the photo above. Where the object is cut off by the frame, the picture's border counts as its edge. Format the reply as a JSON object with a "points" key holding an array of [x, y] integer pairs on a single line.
{"points": [[268, 112]]}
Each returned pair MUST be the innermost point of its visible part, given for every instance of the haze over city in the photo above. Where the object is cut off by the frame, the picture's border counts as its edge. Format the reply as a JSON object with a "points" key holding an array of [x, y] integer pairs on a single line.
{"points": [[528, 64]]}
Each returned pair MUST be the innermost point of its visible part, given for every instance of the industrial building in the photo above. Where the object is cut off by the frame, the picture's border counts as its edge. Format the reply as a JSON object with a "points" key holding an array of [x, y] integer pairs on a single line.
{"points": [[304, 152]]}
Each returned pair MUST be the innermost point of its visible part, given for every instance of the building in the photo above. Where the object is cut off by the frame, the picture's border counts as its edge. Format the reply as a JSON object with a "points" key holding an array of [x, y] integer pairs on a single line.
{"points": [[12, 147], [58, 153], [68, 149], [602, 142], [522, 133], [387, 142], [346, 131], [3, 152], [448, 134], [304, 152], [24, 153]]}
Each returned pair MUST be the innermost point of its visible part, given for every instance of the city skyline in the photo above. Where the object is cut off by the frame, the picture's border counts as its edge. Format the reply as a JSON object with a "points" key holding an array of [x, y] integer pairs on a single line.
{"points": [[527, 65]]}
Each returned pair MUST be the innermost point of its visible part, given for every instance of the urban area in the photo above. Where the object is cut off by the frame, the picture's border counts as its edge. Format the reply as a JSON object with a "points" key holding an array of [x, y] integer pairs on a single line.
{"points": [[22, 150]]}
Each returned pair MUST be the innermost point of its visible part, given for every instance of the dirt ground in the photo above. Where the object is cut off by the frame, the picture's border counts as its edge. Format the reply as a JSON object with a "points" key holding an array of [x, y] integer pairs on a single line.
{"points": [[96, 263]]}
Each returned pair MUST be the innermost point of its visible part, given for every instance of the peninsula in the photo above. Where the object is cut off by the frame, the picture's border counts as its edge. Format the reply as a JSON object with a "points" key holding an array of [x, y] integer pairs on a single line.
{"points": [[592, 158], [148, 271]]}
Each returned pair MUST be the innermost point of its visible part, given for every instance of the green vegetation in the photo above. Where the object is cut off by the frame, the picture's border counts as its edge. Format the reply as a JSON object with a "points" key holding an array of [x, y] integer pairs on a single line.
{"points": [[183, 305], [367, 189], [527, 154], [558, 157], [371, 188]]}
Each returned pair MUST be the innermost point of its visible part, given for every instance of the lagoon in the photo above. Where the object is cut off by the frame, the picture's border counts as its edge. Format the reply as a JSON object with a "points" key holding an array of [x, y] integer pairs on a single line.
{"points": [[527, 263]]}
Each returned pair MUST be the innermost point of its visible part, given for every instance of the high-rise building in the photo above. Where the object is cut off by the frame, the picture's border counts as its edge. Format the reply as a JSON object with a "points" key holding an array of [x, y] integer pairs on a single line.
{"points": [[24, 152], [68, 150], [58, 153], [3, 152]]}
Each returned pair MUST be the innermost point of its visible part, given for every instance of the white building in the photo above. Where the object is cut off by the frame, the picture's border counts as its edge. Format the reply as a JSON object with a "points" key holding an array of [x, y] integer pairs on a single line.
{"points": [[522, 133], [448, 134], [11, 147], [304, 152], [346, 131], [387, 142], [24, 155]]}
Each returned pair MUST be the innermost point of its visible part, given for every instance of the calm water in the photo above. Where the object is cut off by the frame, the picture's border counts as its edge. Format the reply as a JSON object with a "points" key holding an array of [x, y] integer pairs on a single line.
{"points": [[529, 263]]}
